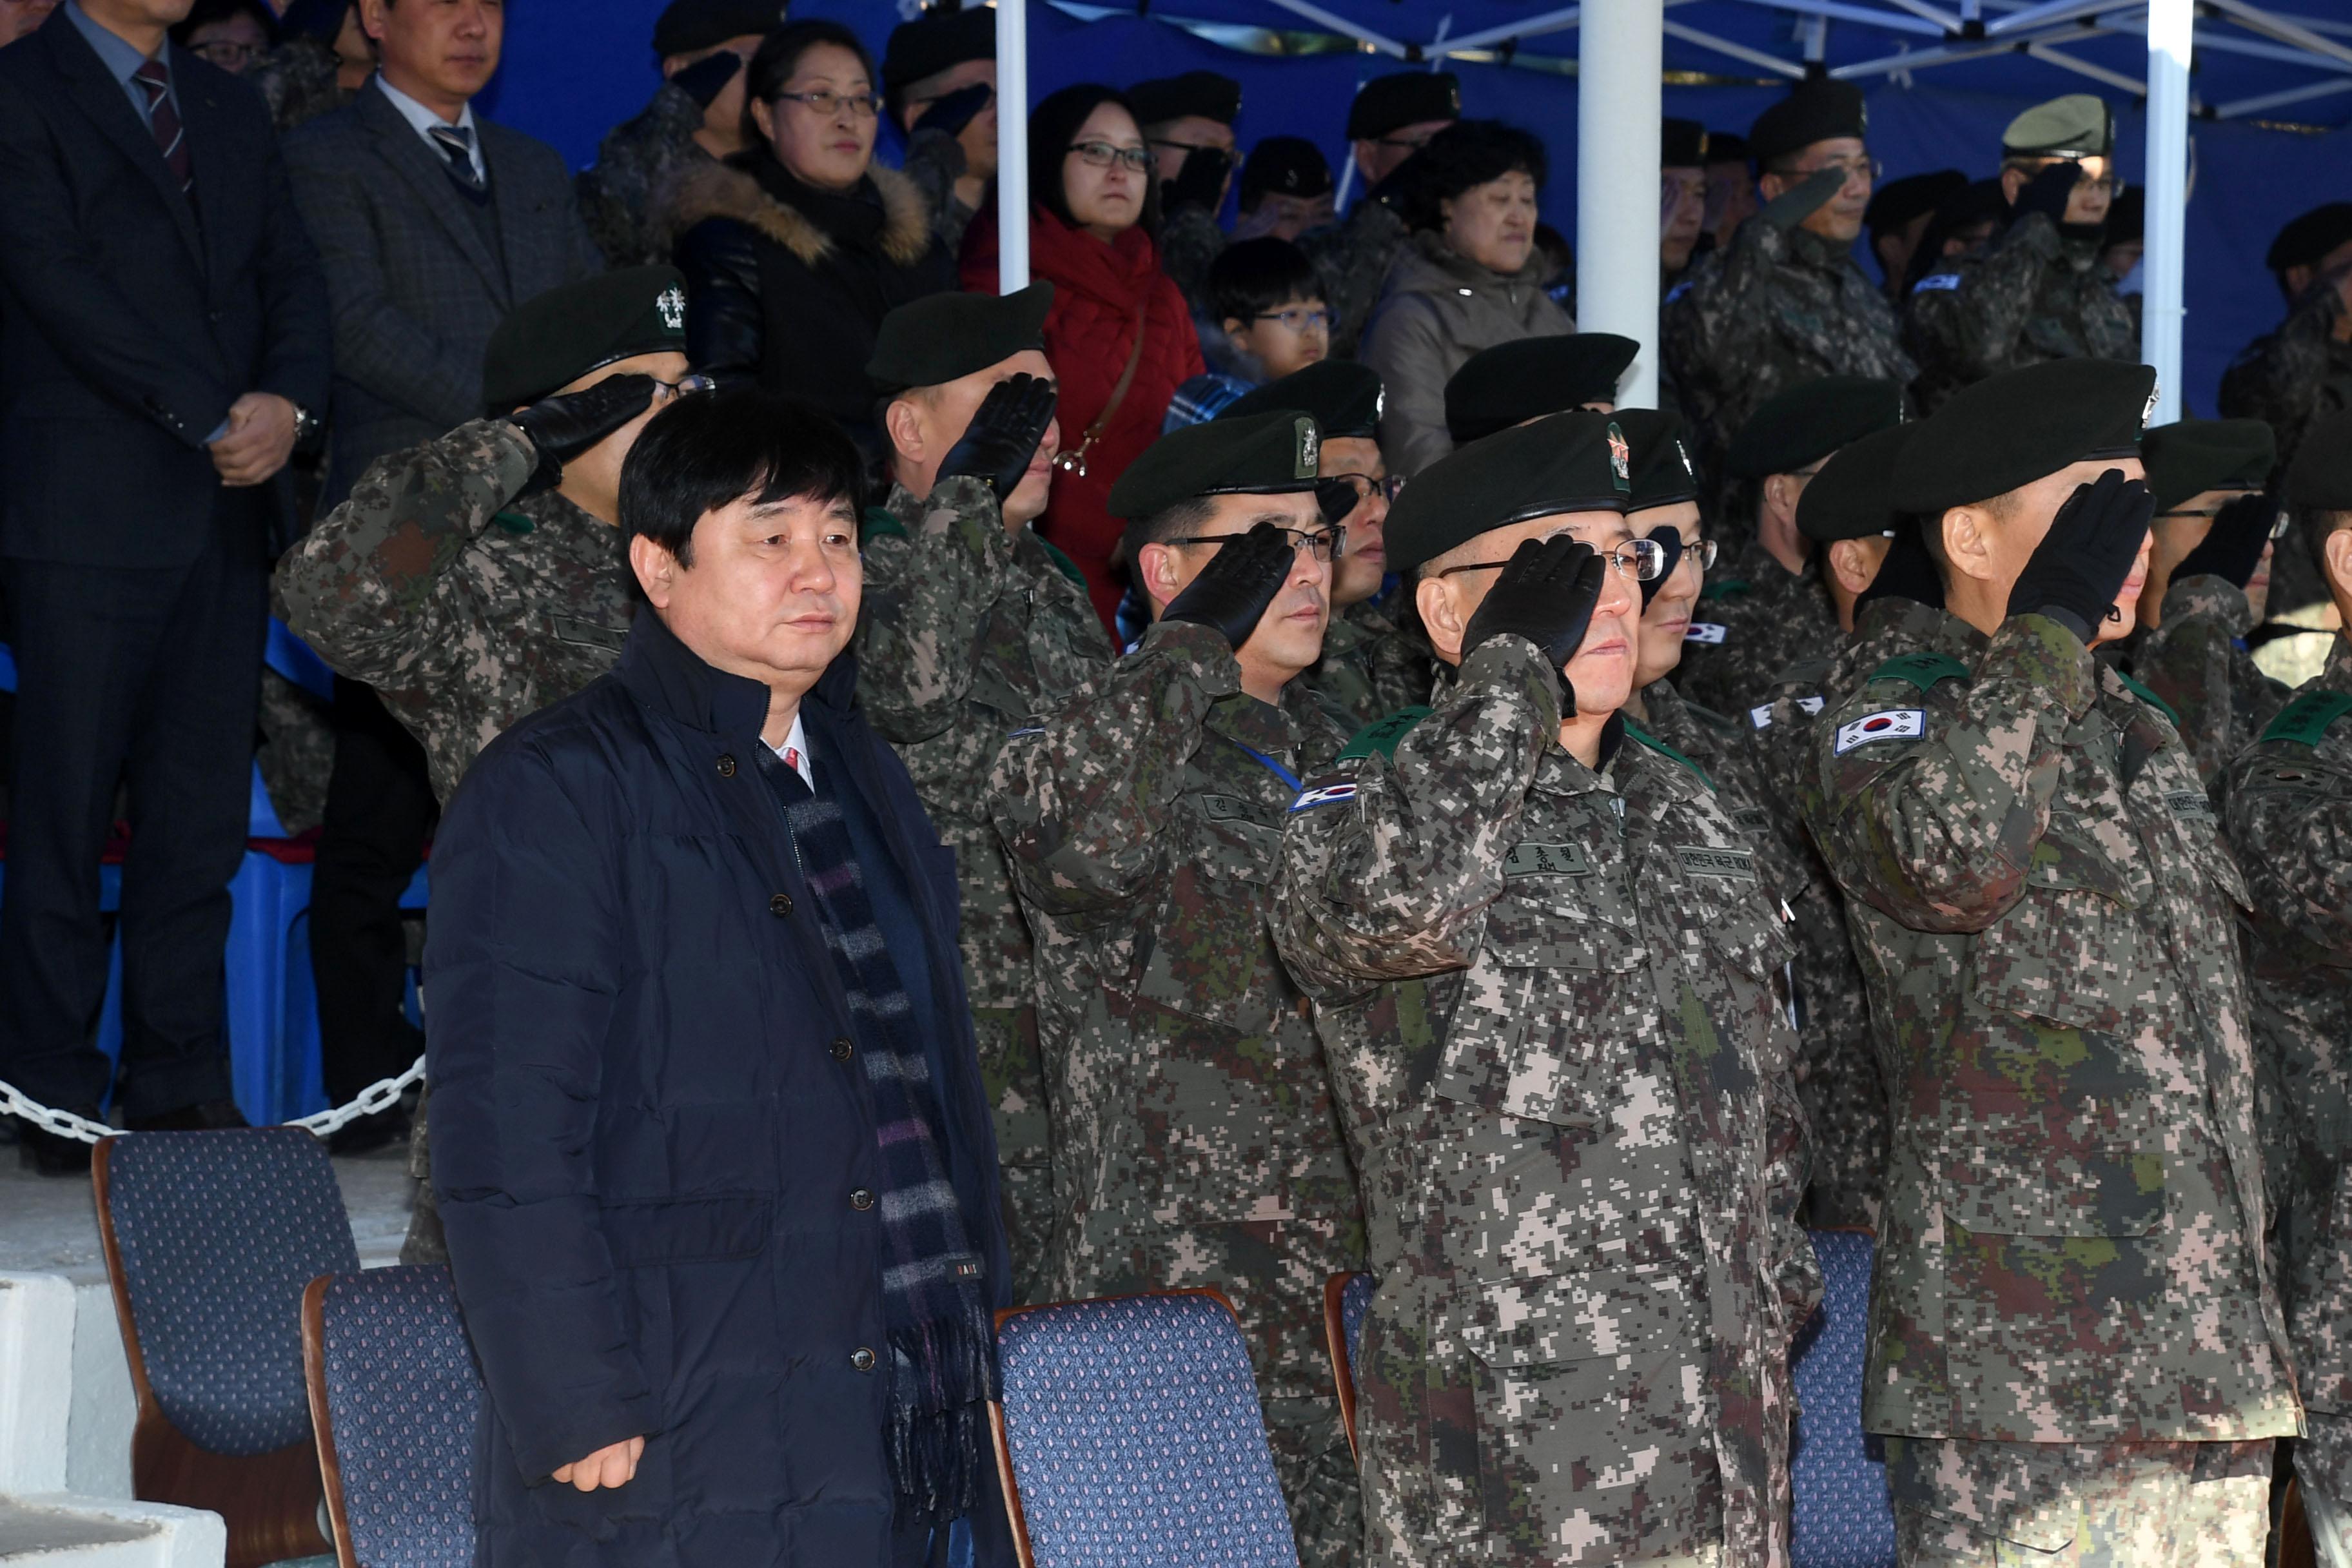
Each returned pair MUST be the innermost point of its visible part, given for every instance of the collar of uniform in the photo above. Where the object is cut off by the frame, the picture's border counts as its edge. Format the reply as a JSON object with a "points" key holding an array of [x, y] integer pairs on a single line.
{"points": [[554, 517], [1759, 568], [1260, 726], [1907, 619], [2216, 598]]}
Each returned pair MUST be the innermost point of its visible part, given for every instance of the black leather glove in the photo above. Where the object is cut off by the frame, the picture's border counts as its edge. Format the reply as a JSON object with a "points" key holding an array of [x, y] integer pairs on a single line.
{"points": [[950, 114], [1792, 207], [2232, 547], [1232, 590], [1546, 593], [1200, 181], [2048, 193], [1002, 436], [706, 78], [2081, 562], [1908, 572], [563, 427], [1667, 534]]}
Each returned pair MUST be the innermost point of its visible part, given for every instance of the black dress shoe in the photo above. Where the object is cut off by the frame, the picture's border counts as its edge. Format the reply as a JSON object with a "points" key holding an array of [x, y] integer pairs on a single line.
{"points": [[53, 1153], [207, 1117], [366, 1134]]}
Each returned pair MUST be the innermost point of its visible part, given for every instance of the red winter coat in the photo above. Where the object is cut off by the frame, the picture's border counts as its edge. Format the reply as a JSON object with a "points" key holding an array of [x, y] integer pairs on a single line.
{"points": [[1097, 290]]}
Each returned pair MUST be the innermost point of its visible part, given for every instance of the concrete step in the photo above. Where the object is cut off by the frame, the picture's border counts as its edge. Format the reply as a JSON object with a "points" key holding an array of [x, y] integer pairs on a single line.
{"points": [[58, 1529]]}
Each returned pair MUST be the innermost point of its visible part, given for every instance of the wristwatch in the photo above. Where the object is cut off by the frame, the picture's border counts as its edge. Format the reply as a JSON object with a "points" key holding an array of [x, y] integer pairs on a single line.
{"points": [[305, 425]]}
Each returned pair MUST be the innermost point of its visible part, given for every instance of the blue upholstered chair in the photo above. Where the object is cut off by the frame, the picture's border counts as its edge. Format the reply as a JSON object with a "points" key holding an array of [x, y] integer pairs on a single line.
{"points": [[1129, 1436], [1844, 1519], [394, 1398], [210, 1238], [1346, 1299]]}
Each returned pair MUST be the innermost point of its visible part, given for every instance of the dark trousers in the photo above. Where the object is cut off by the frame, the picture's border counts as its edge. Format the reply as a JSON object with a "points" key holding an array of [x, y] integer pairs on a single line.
{"points": [[380, 807], [149, 677]]}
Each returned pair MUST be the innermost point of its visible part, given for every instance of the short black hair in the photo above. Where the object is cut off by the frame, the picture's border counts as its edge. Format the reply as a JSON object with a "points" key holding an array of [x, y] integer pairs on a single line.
{"points": [[1167, 522], [1254, 274], [1466, 154], [703, 452], [778, 56]]}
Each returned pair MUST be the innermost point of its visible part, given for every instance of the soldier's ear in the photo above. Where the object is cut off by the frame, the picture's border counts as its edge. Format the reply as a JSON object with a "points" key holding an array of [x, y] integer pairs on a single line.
{"points": [[1155, 572], [2337, 549], [1966, 534], [905, 428], [1442, 616]]}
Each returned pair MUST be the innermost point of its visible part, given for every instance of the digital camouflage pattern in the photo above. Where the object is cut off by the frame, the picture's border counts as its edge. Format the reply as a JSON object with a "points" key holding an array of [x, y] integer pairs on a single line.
{"points": [[1190, 244], [2070, 1250], [623, 195], [297, 80], [1371, 667], [1548, 996], [935, 162], [2289, 799], [2197, 663], [297, 753], [1754, 619], [1961, 1504], [1352, 257], [2034, 294], [1196, 1137], [968, 629], [2288, 378]]}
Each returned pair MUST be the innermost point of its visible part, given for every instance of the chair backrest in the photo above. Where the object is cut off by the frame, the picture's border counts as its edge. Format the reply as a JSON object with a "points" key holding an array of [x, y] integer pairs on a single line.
{"points": [[1844, 1519], [1130, 1436], [1346, 1299], [210, 1238], [395, 1396]]}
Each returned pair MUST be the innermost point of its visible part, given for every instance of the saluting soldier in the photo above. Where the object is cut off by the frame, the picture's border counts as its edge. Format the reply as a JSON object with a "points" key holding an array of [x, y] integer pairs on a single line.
{"points": [[1543, 960], [971, 623], [1391, 119], [1196, 1142], [2075, 1344]]}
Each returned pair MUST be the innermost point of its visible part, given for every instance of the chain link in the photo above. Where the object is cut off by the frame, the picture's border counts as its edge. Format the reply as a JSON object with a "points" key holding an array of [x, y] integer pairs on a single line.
{"points": [[381, 1095]]}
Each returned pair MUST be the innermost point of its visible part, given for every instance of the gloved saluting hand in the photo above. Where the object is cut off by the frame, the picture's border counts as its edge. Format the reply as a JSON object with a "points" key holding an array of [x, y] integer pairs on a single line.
{"points": [[1546, 593], [563, 427], [996, 446], [2048, 193], [1907, 573], [1200, 181], [2082, 563], [951, 112], [1232, 590], [2234, 547], [1670, 538], [706, 78], [1792, 207]]}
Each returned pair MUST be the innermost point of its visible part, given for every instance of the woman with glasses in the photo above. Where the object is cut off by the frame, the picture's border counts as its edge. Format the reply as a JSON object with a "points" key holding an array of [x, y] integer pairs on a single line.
{"points": [[795, 248], [231, 33], [1120, 334], [1468, 279]]}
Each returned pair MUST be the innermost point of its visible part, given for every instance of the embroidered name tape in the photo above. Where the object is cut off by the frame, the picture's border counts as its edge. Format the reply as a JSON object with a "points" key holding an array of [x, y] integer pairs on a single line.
{"points": [[1547, 861], [1708, 632], [1703, 861], [1324, 795], [1893, 724], [2190, 804]]}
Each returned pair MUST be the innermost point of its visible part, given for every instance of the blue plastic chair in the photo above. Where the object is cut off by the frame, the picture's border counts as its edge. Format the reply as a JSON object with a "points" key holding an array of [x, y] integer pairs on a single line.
{"points": [[1129, 1436], [1844, 1519]]}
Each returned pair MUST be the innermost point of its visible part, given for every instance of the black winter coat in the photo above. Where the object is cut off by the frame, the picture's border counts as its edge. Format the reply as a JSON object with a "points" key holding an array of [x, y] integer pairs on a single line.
{"points": [[647, 1125]]}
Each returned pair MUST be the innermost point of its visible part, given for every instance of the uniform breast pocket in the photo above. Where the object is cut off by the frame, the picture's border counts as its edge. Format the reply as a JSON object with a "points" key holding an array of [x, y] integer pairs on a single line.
{"points": [[1208, 956], [2068, 950]]}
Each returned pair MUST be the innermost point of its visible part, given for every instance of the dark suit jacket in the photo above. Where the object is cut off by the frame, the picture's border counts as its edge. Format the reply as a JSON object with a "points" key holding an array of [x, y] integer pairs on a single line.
{"points": [[416, 292], [128, 327]]}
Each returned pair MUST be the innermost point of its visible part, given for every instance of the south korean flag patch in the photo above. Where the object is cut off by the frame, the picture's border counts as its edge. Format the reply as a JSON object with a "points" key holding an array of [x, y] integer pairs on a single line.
{"points": [[1710, 633], [1892, 724], [1323, 794]]}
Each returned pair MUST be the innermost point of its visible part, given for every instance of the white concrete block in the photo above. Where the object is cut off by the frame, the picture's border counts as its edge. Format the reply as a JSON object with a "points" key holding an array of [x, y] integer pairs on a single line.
{"points": [[36, 1327], [97, 1435], [58, 1529]]}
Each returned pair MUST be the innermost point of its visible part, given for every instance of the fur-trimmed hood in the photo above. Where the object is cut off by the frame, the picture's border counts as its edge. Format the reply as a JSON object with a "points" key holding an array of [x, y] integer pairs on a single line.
{"points": [[708, 189]]}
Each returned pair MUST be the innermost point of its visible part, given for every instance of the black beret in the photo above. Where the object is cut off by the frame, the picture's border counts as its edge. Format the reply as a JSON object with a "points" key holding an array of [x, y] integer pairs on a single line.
{"points": [[557, 337], [1528, 377], [1343, 395], [688, 26], [1897, 202], [2194, 456], [2320, 478], [1810, 421], [1570, 462], [1726, 147], [1284, 166], [1850, 497], [2008, 430], [1270, 453], [940, 337], [2128, 217], [2079, 125], [1400, 99], [936, 41], [1204, 93], [1814, 112], [1663, 473], [2306, 240], [1682, 145]]}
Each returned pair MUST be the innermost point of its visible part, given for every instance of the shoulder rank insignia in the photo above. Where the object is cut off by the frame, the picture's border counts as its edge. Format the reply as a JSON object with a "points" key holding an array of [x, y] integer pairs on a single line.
{"points": [[2308, 718], [1381, 735], [1923, 671]]}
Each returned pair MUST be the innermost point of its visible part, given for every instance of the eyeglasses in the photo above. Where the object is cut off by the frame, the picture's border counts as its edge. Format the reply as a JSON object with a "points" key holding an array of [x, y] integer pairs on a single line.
{"points": [[825, 105], [2278, 523], [1300, 319], [1643, 560], [226, 53], [1366, 486], [1704, 553], [929, 99], [1102, 155], [1414, 142], [687, 386], [1227, 153], [1324, 545]]}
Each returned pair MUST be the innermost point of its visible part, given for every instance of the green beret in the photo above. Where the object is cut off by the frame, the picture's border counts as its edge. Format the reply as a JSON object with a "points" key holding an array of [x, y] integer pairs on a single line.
{"points": [[1850, 497], [1530, 377], [1792, 429], [1204, 93], [1682, 145], [1390, 102], [1343, 394], [2320, 479], [936, 41], [1663, 472], [688, 26], [560, 336], [2008, 430], [1813, 111], [1271, 454], [940, 337], [2306, 240], [2199, 454], [1568, 462], [2079, 125]]}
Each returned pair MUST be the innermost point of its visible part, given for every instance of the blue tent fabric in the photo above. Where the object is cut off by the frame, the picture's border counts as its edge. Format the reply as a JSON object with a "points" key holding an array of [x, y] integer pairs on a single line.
{"points": [[574, 70]]}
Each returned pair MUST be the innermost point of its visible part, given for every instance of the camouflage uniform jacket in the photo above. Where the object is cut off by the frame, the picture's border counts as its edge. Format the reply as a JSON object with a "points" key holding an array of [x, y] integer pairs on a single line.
{"points": [[621, 194], [935, 162], [1196, 1141], [1352, 257], [1190, 244], [1775, 308], [297, 80], [464, 609], [1579, 1354], [2197, 663], [1371, 667], [1754, 619], [2294, 375], [2033, 295], [2071, 1247]]}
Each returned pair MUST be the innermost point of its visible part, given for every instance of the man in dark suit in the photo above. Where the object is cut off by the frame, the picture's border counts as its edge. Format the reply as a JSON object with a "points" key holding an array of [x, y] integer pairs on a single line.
{"points": [[163, 334], [433, 225]]}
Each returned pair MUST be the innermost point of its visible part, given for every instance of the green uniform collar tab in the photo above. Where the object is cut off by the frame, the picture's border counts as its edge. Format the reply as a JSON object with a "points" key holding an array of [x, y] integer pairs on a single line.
{"points": [[515, 522], [881, 523], [2307, 718], [1382, 735], [2150, 698], [1923, 671], [1638, 734], [1069, 568]]}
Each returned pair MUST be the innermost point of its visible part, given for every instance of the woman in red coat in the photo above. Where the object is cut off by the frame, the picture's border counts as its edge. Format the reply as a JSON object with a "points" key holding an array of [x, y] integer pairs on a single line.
{"points": [[1091, 213]]}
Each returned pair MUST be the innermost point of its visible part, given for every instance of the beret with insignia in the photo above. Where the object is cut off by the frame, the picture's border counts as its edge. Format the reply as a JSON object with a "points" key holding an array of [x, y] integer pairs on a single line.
{"points": [[1284, 166], [1570, 462], [2079, 125], [557, 337], [1813, 111], [1682, 145], [685, 27], [936, 41], [1204, 93], [1897, 202], [1529, 377], [1850, 497], [1385, 103], [1268, 454], [940, 337], [2011, 429], [2320, 478], [2306, 240], [1343, 394], [2194, 456], [1663, 472], [1792, 429]]}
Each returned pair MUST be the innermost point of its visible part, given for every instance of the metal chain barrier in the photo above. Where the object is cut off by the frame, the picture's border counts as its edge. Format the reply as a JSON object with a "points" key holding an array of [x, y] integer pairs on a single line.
{"points": [[381, 1095]]}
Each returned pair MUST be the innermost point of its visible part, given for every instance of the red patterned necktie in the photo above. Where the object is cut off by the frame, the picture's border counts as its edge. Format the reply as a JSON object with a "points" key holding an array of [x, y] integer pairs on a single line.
{"points": [[171, 140]]}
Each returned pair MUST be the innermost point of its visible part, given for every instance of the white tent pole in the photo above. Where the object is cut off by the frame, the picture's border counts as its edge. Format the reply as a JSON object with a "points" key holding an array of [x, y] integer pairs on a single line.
{"points": [[2170, 27], [1621, 52], [1011, 145]]}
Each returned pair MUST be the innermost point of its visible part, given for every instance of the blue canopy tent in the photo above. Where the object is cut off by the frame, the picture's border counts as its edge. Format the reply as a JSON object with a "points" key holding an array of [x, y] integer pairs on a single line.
{"points": [[2268, 95]]}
